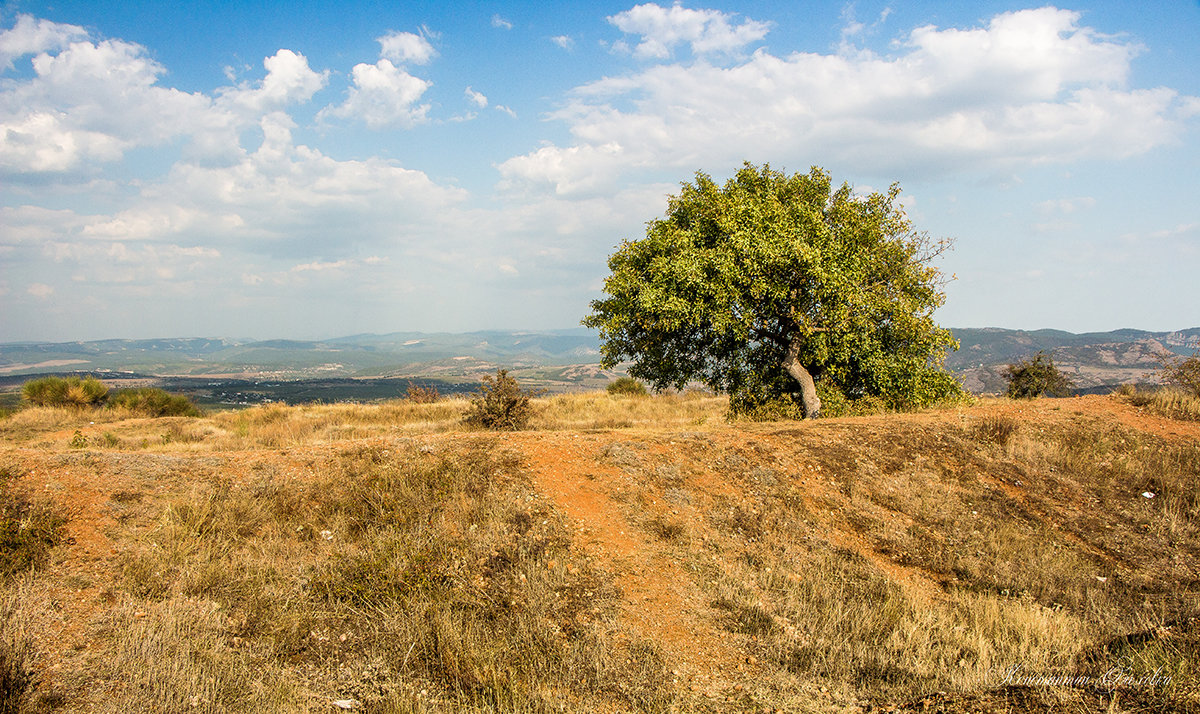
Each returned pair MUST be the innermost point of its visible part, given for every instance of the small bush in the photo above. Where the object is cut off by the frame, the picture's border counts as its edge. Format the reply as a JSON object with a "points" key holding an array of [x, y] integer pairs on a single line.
{"points": [[150, 401], [501, 404], [1036, 376], [422, 395], [626, 386], [64, 392], [1183, 373]]}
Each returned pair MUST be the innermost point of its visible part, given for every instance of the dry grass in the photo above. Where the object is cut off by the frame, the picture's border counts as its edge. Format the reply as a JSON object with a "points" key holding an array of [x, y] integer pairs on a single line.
{"points": [[913, 561], [598, 410], [402, 580], [281, 426], [1168, 401]]}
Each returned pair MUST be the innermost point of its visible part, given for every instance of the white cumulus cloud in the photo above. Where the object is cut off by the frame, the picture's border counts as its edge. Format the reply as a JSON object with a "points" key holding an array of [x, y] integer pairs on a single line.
{"points": [[381, 95], [476, 98], [88, 103], [1031, 87], [289, 80], [704, 31], [30, 35], [406, 47]]}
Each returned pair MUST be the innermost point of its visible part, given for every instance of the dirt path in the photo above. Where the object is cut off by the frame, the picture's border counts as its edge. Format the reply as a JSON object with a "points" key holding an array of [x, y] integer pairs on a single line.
{"points": [[660, 596]]}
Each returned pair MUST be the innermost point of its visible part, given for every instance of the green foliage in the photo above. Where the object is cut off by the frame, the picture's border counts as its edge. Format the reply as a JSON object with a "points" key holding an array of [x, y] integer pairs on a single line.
{"points": [[64, 392], [1036, 376], [627, 386], [737, 283], [501, 404], [1183, 373], [150, 401]]}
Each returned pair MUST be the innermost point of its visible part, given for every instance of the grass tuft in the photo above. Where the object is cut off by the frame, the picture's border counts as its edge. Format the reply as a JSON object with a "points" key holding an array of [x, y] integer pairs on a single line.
{"points": [[28, 528]]}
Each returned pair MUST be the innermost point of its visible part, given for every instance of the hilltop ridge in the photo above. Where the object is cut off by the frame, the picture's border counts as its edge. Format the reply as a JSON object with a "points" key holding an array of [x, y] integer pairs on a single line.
{"points": [[621, 555]]}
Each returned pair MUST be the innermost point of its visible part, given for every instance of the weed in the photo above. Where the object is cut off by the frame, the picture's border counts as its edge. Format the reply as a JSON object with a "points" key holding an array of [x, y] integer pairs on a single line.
{"points": [[418, 394], [666, 530], [996, 429]]}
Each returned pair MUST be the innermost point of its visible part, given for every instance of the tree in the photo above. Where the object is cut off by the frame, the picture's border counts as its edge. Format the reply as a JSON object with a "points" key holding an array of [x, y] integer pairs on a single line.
{"points": [[1036, 376], [774, 288]]}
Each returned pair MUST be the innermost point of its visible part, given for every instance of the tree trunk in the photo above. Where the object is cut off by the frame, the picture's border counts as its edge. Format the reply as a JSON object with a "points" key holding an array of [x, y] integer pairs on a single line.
{"points": [[808, 389]]}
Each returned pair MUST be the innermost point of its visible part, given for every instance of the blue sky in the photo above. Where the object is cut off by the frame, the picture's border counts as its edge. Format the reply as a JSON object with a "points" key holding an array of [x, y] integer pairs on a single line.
{"points": [[315, 169]]}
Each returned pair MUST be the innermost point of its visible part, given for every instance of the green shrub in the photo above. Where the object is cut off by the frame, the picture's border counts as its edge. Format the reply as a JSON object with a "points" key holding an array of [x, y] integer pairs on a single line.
{"points": [[64, 392], [627, 386], [154, 402], [501, 404], [1036, 376], [1183, 373]]}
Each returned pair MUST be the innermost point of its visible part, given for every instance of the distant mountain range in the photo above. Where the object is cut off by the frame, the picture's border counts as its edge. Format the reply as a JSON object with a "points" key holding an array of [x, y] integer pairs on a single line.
{"points": [[1094, 360], [396, 354]]}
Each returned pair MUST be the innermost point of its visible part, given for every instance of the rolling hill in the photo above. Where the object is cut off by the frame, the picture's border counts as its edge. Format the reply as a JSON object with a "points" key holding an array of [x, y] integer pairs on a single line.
{"points": [[558, 360]]}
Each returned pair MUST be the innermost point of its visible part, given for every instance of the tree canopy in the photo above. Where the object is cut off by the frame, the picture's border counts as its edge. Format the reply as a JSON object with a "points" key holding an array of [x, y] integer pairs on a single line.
{"points": [[778, 288]]}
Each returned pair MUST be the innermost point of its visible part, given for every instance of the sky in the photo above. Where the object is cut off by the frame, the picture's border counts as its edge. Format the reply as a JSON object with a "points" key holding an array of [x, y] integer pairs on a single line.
{"points": [[312, 170]]}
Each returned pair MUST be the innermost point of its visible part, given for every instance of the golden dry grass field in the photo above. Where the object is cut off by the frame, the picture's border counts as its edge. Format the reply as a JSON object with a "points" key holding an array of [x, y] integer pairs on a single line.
{"points": [[622, 554]]}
